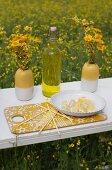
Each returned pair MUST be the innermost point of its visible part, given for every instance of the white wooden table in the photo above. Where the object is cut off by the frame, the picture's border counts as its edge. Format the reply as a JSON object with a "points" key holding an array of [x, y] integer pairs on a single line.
{"points": [[8, 98]]}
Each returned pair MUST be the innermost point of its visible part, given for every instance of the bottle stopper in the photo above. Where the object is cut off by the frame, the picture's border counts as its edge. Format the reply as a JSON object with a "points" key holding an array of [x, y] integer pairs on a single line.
{"points": [[53, 29]]}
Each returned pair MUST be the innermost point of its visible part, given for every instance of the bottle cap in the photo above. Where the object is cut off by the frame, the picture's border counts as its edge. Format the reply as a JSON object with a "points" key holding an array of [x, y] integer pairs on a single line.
{"points": [[53, 29]]}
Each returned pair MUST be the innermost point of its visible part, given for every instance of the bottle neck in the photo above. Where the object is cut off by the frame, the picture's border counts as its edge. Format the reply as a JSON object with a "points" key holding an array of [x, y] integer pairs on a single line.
{"points": [[53, 38]]}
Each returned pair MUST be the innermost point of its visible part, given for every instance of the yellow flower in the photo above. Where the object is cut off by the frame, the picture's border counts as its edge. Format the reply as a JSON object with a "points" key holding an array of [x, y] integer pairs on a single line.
{"points": [[53, 156], [67, 151], [37, 40], [60, 40], [76, 19], [98, 41], [87, 29], [78, 143], [28, 157], [101, 47], [91, 22], [81, 165], [88, 38], [103, 163], [28, 29], [18, 40], [98, 36], [15, 44], [71, 145], [97, 30], [1, 32], [20, 47], [85, 22], [110, 143], [23, 38]]}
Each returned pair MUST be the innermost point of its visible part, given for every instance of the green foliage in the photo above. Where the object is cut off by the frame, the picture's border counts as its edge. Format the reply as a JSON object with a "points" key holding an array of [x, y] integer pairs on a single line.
{"points": [[81, 153]]}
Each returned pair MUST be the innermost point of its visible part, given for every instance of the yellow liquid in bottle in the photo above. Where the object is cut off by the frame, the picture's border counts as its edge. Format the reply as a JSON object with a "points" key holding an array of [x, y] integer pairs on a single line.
{"points": [[49, 90], [51, 76]]}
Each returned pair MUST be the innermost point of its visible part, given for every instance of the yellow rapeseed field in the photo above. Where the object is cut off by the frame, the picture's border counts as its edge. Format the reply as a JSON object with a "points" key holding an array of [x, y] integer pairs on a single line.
{"points": [[88, 152]]}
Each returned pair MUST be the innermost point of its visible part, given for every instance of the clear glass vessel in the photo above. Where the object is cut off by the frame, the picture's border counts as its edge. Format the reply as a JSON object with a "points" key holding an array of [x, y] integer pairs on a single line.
{"points": [[51, 76]]}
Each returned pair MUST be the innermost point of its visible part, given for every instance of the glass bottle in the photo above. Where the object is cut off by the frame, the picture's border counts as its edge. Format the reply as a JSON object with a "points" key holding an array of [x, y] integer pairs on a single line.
{"points": [[51, 76]]}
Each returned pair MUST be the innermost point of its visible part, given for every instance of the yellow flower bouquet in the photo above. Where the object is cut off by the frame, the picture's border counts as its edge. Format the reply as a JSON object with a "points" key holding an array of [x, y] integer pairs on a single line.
{"points": [[94, 42], [20, 46], [93, 39]]}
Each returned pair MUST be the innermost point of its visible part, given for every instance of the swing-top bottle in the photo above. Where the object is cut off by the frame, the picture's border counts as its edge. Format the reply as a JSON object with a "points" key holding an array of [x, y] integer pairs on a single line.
{"points": [[51, 76]]}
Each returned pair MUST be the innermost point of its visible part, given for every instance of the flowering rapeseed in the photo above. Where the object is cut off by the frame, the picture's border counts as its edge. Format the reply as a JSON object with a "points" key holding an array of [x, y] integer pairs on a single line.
{"points": [[92, 36], [35, 18], [20, 46]]}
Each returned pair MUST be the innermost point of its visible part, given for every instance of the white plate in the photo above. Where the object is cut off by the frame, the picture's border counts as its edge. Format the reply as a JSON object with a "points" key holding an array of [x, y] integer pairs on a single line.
{"points": [[56, 101]]}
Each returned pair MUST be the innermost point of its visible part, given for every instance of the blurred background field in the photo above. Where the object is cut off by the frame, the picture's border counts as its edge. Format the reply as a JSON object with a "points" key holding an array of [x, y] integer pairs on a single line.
{"points": [[89, 152]]}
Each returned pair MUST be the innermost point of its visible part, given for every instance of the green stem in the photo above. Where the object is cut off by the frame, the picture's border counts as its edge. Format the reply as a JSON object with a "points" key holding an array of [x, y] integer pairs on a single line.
{"points": [[91, 60], [91, 53]]}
